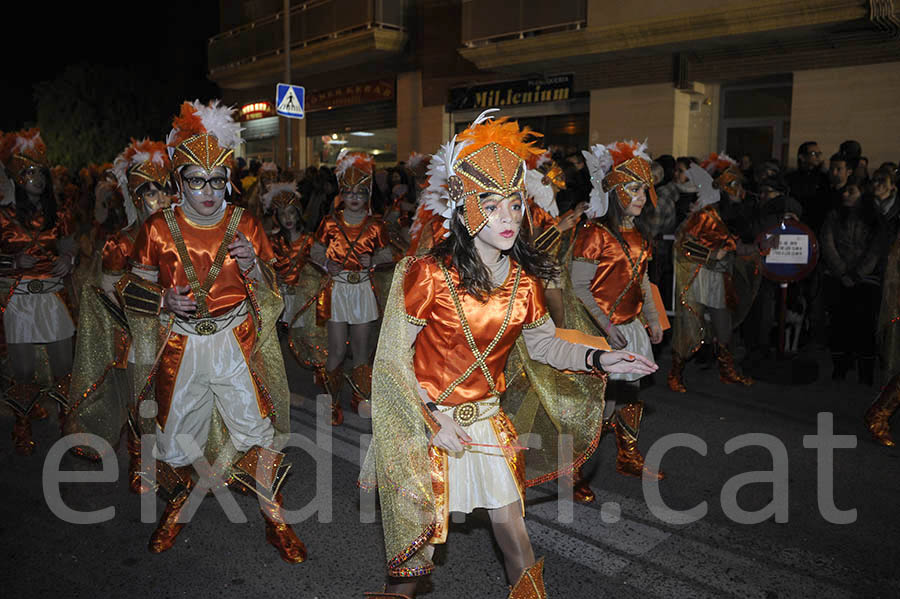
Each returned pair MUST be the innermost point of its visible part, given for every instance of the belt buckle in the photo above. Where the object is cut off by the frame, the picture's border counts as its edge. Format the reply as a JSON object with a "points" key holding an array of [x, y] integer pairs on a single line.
{"points": [[465, 414], [353, 277], [35, 286], [206, 327]]}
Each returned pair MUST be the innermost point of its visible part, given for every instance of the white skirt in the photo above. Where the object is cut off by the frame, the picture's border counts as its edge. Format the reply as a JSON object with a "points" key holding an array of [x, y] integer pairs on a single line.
{"points": [[638, 343], [353, 303], [36, 317], [708, 289], [480, 476]]}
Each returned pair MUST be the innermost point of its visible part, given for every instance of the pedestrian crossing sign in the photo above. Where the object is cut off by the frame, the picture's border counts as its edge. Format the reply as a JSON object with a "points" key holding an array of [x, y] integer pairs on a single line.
{"points": [[290, 100]]}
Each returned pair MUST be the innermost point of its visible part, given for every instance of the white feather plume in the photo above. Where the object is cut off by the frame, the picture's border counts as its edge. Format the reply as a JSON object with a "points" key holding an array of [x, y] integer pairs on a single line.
{"points": [[120, 170], [276, 189], [598, 161], [218, 121], [543, 194], [706, 192]]}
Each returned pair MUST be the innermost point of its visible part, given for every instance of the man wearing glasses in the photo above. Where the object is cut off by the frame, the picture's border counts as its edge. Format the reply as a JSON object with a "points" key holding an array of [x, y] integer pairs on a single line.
{"points": [[201, 273], [809, 184]]}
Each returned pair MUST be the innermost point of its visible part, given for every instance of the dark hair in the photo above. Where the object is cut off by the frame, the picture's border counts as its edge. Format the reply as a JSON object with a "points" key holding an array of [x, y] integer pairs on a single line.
{"points": [[667, 161], [804, 147], [474, 278], [615, 214], [25, 209], [838, 157], [685, 160], [282, 230]]}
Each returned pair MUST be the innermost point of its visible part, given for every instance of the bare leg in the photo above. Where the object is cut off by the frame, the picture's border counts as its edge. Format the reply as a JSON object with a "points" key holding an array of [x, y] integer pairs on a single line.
{"points": [[359, 342], [337, 344], [512, 537]]}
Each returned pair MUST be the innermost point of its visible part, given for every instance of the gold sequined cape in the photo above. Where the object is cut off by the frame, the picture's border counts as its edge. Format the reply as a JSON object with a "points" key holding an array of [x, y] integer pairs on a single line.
{"points": [[889, 317], [149, 335]]}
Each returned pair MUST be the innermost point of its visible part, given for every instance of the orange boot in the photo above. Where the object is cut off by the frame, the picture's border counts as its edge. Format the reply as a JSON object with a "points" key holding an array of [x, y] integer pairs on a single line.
{"points": [[280, 534], [361, 381], [177, 483], [879, 413], [727, 371], [531, 584], [60, 394], [629, 460], [136, 483], [334, 381], [676, 374], [581, 488], [22, 399]]}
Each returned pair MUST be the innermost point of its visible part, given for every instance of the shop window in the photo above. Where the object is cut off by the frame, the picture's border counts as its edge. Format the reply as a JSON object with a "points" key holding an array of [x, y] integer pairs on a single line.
{"points": [[380, 143]]}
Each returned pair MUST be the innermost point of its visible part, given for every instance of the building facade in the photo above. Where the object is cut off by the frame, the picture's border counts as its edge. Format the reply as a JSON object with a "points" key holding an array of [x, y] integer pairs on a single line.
{"points": [[395, 76]]}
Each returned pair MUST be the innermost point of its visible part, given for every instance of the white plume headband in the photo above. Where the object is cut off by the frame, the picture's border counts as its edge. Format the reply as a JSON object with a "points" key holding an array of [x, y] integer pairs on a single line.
{"points": [[542, 194], [599, 161]]}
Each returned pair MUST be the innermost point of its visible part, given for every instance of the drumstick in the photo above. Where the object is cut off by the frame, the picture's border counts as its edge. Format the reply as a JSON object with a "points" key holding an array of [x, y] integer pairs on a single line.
{"points": [[470, 444]]}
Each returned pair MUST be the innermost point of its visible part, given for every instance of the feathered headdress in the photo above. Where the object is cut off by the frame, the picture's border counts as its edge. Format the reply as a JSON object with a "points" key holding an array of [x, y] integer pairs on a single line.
{"points": [[141, 162], [539, 188], [354, 169], [205, 135], [281, 195], [724, 170], [706, 190], [418, 164], [21, 149], [488, 157], [612, 166]]}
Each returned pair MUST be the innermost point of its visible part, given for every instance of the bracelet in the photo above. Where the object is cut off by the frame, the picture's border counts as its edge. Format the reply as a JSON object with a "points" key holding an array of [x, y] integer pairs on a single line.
{"points": [[596, 365], [432, 407]]}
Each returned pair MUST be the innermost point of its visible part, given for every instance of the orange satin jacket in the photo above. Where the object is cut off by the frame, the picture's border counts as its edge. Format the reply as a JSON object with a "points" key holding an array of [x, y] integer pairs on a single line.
{"points": [[540, 218], [155, 250], [616, 285], [337, 236], [291, 257], [30, 238], [117, 252], [707, 227], [442, 353]]}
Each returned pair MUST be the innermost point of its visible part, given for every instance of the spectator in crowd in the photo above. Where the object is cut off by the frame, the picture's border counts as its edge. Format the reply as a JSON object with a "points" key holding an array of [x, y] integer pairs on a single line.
{"points": [[661, 221], [852, 150], [884, 194], [852, 245], [746, 166], [578, 184], [861, 172], [839, 171], [687, 191], [252, 174], [667, 161], [808, 184]]}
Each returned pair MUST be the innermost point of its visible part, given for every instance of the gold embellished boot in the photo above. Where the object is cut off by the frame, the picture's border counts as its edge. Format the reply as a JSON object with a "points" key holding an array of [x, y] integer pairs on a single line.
{"points": [[728, 373], [334, 381], [280, 534], [136, 483], [676, 374], [361, 381], [530, 584], [581, 488], [22, 399], [879, 413], [177, 483], [629, 460]]}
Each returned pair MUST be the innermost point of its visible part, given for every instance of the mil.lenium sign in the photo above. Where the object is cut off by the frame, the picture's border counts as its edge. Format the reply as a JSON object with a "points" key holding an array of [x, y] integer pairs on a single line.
{"points": [[511, 93]]}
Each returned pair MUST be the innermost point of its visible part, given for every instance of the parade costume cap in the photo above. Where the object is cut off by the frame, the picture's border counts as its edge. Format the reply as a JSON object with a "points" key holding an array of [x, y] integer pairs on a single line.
{"points": [[488, 157], [281, 195], [539, 188], [553, 173], [22, 149], [707, 193], [724, 169], [204, 135], [613, 166], [354, 169], [141, 162]]}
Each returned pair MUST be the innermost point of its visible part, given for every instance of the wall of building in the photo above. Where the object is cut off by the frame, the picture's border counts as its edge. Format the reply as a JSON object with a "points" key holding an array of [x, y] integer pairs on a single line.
{"points": [[703, 124], [656, 112], [861, 103], [419, 128], [604, 12]]}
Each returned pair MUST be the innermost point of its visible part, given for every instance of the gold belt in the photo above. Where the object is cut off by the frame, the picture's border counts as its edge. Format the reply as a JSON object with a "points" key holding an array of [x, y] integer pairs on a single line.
{"points": [[467, 414], [35, 286], [210, 326], [352, 277]]}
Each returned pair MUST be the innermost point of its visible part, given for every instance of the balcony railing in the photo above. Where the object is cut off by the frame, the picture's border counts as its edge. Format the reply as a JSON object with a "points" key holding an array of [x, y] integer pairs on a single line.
{"points": [[311, 22], [486, 22]]}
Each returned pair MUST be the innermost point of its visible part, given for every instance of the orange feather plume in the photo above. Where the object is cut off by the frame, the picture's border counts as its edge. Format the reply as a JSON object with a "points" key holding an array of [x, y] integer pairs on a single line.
{"points": [[188, 124], [503, 132]]}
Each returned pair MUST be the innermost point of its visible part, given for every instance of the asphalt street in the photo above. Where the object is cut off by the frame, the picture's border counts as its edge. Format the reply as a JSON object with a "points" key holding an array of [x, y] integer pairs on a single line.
{"points": [[619, 547]]}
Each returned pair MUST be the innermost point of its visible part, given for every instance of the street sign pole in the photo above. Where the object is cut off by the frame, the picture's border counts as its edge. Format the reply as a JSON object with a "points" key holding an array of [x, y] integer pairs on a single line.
{"points": [[287, 76]]}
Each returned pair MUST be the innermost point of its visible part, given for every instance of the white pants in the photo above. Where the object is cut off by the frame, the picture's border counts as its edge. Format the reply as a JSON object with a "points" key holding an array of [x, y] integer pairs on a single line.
{"points": [[212, 373], [37, 317]]}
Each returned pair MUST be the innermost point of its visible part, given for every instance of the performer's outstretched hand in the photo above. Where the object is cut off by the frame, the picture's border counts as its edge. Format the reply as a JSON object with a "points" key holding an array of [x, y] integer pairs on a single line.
{"points": [[451, 436], [623, 362], [178, 301], [242, 250]]}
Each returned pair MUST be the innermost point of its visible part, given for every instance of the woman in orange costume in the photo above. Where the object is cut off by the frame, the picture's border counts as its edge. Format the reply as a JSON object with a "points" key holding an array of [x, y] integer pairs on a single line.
{"points": [[201, 273], [710, 263], [290, 244], [609, 276], [37, 253], [450, 324], [102, 400], [349, 244]]}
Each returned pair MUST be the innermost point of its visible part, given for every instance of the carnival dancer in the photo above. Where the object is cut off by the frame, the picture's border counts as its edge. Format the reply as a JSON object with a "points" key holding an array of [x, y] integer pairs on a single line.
{"points": [[102, 402], [450, 323], [714, 271], [879, 413], [349, 244], [37, 254], [290, 244], [202, 283], [609, 276]]}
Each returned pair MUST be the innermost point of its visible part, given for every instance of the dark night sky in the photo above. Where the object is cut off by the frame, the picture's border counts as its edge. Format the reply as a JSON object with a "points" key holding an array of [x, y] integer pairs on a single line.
{"points": [[167, 40]]}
